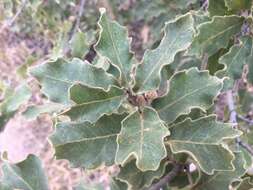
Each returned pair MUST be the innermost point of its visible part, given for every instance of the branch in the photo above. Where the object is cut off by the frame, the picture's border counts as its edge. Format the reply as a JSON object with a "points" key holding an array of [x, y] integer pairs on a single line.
{"points": [[249, 121], [80, 13], [233, 114], [78, 18], [246, 147], [10, 23], [204, 62], [233, 119], [189, 176], [231, 107], [204, 4], [167, 178]]}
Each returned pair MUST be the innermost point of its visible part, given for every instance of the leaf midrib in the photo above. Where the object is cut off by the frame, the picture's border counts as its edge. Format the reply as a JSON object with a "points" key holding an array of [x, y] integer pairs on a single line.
{"points": [[115, 49], [236, 55], [88, 139], [157, 64], [161, 58], [181, 98], [195, 143], [71, 82], [142, 135], [97, 101], [219, 33], [19, 177], [60, 80]]}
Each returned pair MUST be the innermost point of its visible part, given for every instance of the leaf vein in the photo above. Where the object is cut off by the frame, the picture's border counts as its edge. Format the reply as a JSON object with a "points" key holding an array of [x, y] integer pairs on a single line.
{"points": [[179, 99]]}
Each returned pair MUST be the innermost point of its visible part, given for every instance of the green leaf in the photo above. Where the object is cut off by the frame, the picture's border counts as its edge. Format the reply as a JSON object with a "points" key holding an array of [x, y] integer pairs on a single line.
{"points": [[101, 62], [246, 184], [137, 179], [85, 144], [213, 64], [215, 34], [78, 45], [13, 100], [194, 114], [184, 62], [250, 64], [238, 5], [92, 103], [222, 179], [234, 61], [113, 44], [245, 98], [32, 112], [247, 156], [25, 175], [178, 36], [116, 184], [250, 67], [187, 90], [200, 17], [202, 139], [217, 7], [56, 77], [248, 137], [181, 62], [142, 136]]}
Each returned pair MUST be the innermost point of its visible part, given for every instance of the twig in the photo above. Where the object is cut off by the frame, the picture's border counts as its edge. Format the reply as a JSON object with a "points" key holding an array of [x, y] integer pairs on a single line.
{"points": [[10, 23], [78, 19], [204, 62], [231, 107], [249, 121], [167, 178], [233, 114], [204, 5], [246, 147], [189, 176], [80, 13], [233, 119]]}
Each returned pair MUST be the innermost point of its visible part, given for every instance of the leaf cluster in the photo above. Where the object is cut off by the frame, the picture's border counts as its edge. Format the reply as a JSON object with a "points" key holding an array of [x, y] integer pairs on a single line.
{"points": [[154, 115]]}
